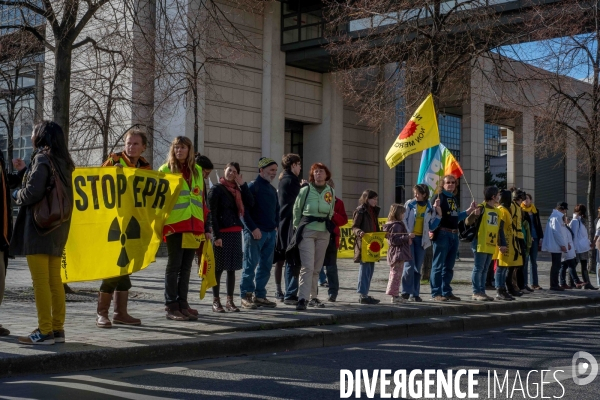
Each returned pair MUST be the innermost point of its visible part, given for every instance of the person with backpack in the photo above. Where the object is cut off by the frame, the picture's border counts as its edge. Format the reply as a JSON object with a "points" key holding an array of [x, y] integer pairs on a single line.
{"points": [[44, 248], [488, 237], [420, 218]]}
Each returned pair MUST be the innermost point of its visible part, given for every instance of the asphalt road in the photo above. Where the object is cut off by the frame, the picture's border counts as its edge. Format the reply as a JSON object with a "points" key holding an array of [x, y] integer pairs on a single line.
{"points": [[315, 374]]}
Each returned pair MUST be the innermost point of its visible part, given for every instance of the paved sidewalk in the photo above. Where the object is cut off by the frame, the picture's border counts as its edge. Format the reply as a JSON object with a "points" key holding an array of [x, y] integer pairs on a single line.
{"points": [[18, 313]]}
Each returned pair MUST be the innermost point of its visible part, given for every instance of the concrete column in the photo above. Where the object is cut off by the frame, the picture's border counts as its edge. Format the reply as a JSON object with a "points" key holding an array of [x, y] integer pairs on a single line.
{"points": [[571, 174], [472, 152], [324, 142], [273, 84], [520, 158]]}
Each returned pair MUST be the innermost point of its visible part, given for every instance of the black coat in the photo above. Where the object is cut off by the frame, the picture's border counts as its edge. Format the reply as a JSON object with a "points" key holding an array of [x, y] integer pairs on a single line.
{"points": [[289, 187], [223, 210], [6, 219], [26, 239], [535, 221]]}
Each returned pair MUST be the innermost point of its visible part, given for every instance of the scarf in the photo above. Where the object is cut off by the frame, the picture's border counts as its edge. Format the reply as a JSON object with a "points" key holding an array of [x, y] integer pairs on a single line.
{"points": [[234, 189], [530, 209]]}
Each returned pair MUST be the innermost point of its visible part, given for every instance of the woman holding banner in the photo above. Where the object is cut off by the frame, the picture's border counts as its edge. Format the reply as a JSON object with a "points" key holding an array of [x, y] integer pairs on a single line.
{"points": [[227, 201], [131, 156], [445, 243], [312, 213], [44, 248], [420, 218], [365, 221], [185, 221]]}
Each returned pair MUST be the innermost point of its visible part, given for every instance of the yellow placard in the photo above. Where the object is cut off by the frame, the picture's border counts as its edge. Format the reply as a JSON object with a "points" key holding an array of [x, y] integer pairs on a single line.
{"points": [[117, 221], [348, 240], [191, 241], [207, 268], [372, 243]]}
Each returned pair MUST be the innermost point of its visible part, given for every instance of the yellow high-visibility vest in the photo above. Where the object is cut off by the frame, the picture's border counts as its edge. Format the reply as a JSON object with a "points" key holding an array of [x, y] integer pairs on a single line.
{"points": [[189, 203]]}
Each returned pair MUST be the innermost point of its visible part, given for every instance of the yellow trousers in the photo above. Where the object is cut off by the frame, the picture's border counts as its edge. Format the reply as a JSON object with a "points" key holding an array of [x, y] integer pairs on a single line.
{"points": [[49, 292]]}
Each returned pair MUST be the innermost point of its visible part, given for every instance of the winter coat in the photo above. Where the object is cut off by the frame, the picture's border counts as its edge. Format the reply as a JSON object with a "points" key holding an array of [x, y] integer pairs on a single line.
{"points": [[581, 240], [340, 218], [223, 210], [569, 236], [264, 213], [399, 249], [363, 223], [26, 240], [430, 221], [288, 189], [6, 220], [554, 237]]}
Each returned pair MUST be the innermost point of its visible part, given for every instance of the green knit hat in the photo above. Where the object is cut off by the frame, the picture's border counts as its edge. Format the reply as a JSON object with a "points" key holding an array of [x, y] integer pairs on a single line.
{"points": [[264, 162]]}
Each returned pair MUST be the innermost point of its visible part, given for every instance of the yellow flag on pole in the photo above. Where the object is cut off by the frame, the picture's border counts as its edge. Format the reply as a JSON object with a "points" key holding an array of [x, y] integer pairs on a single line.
{"points": [[420, 133], [207, 268]]}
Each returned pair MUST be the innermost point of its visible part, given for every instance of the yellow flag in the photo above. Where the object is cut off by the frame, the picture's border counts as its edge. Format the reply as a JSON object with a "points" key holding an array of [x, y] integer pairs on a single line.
{"points": [[420, 133], [117, 221], [207, 268], [372, 243]]}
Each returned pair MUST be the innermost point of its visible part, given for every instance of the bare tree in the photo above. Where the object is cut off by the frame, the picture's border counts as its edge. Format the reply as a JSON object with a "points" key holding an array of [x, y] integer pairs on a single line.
{"points": [[18, 80], [193, 37], [558, 80]]}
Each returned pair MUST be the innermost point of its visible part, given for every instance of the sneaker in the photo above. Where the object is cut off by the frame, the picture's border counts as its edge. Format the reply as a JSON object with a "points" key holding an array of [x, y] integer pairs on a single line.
{"points": [[36, 337], [527, 288], [290, 302], [453, 297], [59, 336], [316, 303], [398, 299], [264, 302], [416, 299], [301, 306], [565, 287], [556, 289], [536, 287], [248, 303], [581, 285], [405, 296], [367, 300], [279, 296], [332, 298], [439, 298], [479, 297], [490, 298], [324, 284]]}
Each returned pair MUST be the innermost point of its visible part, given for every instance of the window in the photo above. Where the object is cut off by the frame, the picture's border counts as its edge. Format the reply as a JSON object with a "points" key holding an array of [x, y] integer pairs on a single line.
{"points": [[301, 20], [491, 142], [450, 133]]}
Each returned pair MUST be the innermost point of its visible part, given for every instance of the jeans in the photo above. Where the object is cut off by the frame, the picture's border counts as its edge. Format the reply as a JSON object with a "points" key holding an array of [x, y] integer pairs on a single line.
{"points": [[365, 274], [500, 277], [177, 274], [480, 267], [48, 291], [555, 269], [119, 283], [331, 271], [531, 259], [322, 276], [569, 265], [411, 277], [291, 284], [258, 261], [445, 248]]}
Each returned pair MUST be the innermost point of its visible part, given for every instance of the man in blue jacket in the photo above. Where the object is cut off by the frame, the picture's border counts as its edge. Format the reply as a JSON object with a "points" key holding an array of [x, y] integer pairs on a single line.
{"points": [[260, 234]]}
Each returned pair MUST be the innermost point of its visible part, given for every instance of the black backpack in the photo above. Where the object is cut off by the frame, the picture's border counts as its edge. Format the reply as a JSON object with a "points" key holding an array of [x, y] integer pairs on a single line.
{"points": [[469, 233]]}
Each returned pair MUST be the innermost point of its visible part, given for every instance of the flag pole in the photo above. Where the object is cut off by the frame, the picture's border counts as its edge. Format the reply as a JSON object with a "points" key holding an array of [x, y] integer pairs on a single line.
{"points": [[469, 187]]}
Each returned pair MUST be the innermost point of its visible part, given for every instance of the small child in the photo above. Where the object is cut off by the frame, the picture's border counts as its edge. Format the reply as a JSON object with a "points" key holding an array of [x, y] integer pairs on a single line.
{"points": [[569, 261], [399, 251]]}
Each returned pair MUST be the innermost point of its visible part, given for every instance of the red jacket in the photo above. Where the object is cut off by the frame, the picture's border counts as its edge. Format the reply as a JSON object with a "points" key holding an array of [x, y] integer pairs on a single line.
{"points": [[340, 218]]}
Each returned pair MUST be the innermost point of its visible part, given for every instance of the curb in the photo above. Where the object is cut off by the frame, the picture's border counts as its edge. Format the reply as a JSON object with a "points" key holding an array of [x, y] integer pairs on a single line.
{"points": [[334, 330]]}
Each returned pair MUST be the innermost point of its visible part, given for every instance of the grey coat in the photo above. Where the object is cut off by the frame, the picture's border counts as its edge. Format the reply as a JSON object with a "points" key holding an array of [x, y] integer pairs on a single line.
{"points": [[26, 239]]}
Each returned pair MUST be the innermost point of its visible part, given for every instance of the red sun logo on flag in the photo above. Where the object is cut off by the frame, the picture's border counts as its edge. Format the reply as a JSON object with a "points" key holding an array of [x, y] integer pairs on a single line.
{"points": [[408, 130], [374, 247]]}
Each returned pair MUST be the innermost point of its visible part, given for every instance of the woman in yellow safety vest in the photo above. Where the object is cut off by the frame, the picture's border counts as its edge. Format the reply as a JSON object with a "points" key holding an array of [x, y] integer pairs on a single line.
{"points": [[186, 219]]}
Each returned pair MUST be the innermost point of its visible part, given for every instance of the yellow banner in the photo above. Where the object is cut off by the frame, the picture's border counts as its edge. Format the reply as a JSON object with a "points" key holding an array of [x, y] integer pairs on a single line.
{"points": [[117, 222], [372, 243], [207, 269], [420, 133], [347, 241]]}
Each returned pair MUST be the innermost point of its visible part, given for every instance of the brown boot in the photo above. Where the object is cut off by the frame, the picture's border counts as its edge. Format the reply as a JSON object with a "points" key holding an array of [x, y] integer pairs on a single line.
{"points": [[120, 315], [217, 307], [102, 320], [230, 306]]}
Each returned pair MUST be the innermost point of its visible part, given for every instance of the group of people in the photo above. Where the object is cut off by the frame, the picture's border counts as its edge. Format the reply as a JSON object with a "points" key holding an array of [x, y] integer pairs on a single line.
{"points": [[253, 226]]}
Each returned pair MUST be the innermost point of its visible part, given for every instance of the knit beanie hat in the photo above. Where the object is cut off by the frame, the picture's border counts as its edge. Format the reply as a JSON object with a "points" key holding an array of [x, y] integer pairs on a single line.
{"points": [[264, 162]]}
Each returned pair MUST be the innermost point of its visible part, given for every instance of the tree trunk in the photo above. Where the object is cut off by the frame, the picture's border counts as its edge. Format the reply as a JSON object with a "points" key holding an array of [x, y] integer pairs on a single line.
{"points": [[62, 87], [591, 206]]}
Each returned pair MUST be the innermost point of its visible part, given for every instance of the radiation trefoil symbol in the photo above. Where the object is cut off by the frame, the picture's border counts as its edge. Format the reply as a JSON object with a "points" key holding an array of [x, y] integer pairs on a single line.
{"points": [[133, 231]]}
